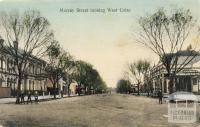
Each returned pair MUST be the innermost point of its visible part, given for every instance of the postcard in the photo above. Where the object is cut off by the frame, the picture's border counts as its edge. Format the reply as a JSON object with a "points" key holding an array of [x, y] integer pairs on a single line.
{"points": [[99, 63]]}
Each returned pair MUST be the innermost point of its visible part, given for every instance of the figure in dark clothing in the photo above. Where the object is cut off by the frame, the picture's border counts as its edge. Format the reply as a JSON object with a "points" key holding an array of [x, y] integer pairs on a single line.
{"points": [[78, 90], [36, 97], [18, 99], [22, 97], [160, 96], [29, 98], [61, 93]]}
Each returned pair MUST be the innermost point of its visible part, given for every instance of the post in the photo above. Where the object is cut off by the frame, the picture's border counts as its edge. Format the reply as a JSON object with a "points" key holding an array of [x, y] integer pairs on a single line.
{"points": [[163, 81], [198, 86], [191, 85]]}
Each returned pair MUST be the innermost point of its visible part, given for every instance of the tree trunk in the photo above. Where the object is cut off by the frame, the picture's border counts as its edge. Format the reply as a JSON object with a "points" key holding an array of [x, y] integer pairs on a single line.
{"points": [[79, 91], [54, 90], [68, 90], [138, 88], [171, 85], [18, 90]]}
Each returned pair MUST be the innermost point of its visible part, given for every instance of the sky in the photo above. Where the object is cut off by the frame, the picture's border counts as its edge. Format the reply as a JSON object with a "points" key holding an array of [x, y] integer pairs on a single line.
{"points": [[103, 39]]}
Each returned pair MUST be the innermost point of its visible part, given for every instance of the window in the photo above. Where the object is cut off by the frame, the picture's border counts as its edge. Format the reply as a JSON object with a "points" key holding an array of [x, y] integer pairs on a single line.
{"points": [[2, 62], [195, 81], [8, 62]]}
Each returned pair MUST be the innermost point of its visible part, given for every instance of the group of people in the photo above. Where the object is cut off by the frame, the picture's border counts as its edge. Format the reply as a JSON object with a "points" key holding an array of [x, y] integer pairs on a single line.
{"points": [[22, 95]]}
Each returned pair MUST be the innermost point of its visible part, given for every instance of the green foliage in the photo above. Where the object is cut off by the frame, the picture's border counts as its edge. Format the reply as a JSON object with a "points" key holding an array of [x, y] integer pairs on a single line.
{"points": [[60, 64], [123, 86], [88, 76]]}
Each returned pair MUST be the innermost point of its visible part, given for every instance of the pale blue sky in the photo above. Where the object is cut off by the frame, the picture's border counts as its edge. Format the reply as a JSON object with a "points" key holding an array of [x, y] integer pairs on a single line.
{"points": [[104, 40]]}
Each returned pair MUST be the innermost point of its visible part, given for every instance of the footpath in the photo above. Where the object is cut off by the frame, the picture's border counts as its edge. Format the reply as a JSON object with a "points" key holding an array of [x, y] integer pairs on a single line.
{"points": [[41, 98]]}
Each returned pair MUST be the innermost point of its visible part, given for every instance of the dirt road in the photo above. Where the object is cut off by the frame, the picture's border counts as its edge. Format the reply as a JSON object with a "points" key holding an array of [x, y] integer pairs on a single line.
{"points": [[113, 110]]}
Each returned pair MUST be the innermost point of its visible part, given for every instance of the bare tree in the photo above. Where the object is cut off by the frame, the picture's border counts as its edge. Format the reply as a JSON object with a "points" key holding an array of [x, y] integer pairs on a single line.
{"points": [[24, 36], [138, 70], [166, 36]]}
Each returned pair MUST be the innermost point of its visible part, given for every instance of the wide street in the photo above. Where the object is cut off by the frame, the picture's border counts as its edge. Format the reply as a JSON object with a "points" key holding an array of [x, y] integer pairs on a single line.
{"points": [[115, 110]]}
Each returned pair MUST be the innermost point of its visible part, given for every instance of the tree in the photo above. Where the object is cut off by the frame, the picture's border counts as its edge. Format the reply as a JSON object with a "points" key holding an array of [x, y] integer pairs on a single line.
{"points": [[148, 82], [69, 65], [123, 86], [59, 65], [53, 71], [26, 35], [138, 70], [86, 75], [166, 36], [80, 73]]}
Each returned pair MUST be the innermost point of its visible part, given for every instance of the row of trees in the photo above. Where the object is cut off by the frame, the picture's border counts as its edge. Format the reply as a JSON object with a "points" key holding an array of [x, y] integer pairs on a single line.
{"points": [[63, 66], [28, 35], [86, 74]]}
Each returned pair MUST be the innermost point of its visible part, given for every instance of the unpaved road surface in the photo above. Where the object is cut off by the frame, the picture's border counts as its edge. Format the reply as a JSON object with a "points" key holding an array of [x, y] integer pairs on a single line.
{"points": [[113, 110]]}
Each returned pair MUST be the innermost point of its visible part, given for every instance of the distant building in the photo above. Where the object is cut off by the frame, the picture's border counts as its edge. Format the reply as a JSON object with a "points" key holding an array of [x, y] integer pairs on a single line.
{"points": [[186, 80]]}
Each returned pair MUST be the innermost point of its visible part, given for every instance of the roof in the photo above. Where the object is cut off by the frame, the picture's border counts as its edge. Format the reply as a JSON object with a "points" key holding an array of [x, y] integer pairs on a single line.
{"points": [[185, 53], [184, 56], [20, 54]]}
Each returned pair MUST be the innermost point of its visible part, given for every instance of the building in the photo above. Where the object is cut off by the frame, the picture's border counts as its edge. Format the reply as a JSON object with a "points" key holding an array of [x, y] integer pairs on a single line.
{"points": [[185, 80], [34, 77]]}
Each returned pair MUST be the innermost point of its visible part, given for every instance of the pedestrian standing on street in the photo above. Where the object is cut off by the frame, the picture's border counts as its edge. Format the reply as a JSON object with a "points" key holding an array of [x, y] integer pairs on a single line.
{"points": [[22, 97], [29, 97], [36, 97], [160, 96]]}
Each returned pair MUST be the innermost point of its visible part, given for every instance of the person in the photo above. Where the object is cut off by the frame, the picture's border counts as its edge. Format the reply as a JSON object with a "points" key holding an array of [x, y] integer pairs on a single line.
{"points": [[36, 97], [61, 93], [22, 97], [29, 97], [79, 90], [18, 99], [160, 96]]}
